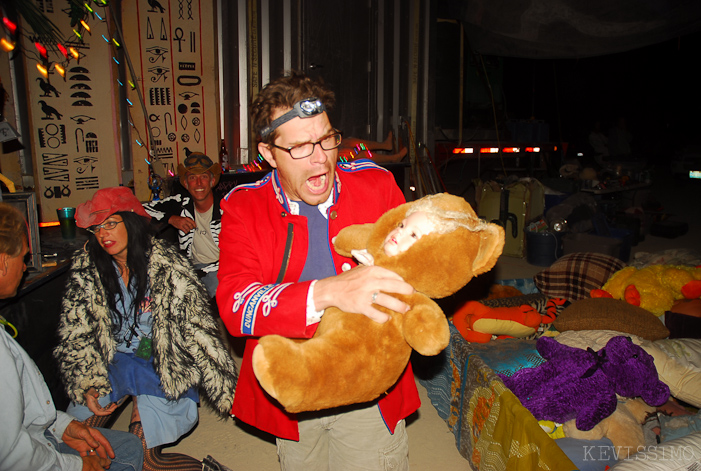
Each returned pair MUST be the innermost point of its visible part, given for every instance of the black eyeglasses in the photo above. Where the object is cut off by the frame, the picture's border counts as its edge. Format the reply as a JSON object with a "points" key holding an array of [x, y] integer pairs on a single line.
{"points": [[108, 226], [306, 149]]}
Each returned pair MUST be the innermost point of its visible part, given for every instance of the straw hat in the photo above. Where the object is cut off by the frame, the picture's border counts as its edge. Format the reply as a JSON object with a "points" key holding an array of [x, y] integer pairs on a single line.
{"points": [[197, 163]]}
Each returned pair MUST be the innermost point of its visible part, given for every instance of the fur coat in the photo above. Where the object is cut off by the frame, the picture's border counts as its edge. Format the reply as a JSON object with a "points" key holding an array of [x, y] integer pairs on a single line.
{"points": [[187, 349]]}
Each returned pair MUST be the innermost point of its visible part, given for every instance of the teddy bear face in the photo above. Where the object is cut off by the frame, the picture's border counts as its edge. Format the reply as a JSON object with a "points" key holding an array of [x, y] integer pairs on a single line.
{"points": [[407, 233], [439, 264]]}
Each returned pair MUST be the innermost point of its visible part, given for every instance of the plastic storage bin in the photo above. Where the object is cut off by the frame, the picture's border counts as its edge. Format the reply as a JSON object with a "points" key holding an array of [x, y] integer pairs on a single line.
{"points": [[626, 237], [543, 248]]}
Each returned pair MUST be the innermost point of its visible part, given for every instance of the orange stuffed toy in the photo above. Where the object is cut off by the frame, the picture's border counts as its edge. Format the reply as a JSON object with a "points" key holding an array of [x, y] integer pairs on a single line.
{"points": [[352, 359], [478, 323]]}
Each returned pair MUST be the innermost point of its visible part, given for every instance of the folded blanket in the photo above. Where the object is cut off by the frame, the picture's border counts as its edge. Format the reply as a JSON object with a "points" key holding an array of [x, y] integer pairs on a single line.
{"points": [[491, 427]]}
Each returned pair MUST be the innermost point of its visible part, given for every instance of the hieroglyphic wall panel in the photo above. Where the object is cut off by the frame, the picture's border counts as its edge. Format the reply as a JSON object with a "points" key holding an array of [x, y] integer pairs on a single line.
{"points": [[9, 162], [172, 45], [75, 144]]}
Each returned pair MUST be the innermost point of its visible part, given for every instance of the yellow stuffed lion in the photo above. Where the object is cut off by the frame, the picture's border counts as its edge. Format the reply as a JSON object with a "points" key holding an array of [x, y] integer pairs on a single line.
{"points": [[352, 359], [654, 288]]}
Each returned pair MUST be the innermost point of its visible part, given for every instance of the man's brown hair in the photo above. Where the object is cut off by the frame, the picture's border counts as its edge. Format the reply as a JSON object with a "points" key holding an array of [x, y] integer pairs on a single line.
{"points": [[13, 230], [284, 92]]}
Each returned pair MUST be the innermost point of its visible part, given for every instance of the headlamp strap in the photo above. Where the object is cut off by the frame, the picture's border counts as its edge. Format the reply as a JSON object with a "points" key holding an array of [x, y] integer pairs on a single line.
{"points": [[303, 109]]}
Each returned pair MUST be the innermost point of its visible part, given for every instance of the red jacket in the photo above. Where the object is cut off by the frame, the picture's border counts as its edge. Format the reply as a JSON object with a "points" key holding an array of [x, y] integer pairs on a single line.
{"points": [[258, 296]]}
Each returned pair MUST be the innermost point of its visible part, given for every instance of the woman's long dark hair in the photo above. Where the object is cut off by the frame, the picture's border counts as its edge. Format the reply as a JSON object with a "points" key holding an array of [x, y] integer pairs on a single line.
{"points": [[139, 243]]}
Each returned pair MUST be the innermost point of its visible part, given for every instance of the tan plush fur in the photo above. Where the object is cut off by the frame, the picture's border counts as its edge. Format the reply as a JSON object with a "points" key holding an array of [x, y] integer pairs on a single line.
{"points": [[623, 427], [352, 359]]}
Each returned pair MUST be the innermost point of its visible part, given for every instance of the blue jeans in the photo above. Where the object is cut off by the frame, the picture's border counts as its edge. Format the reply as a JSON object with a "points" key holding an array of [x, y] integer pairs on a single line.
{"points": [[128, 451], [209, 280], [163, 421]]}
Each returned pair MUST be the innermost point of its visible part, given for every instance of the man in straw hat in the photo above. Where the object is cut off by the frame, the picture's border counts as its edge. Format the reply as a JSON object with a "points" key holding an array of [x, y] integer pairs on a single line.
{"points": [[197, 217]]}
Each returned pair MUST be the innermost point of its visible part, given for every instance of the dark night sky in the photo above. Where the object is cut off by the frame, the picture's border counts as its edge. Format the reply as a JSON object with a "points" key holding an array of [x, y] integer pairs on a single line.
{"points": [[655, 88]]}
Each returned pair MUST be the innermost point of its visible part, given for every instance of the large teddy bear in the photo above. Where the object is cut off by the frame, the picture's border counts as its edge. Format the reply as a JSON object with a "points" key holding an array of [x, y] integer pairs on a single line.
{"points": [[582, 384], [352, 359]]}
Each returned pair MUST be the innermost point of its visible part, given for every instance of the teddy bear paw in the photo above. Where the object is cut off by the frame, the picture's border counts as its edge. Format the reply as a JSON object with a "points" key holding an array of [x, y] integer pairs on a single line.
{"points": [[261, 368]]}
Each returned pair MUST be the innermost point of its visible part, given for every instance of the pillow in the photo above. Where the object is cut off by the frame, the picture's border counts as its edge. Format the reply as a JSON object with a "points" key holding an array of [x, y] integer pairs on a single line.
{"points": [[682, 454], [594, 339], [678, 362], [574, 276], [611, 314]]}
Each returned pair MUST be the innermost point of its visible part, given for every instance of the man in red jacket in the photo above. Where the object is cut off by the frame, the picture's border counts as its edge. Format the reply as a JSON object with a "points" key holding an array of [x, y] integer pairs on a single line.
{"points": [[278, 272]]}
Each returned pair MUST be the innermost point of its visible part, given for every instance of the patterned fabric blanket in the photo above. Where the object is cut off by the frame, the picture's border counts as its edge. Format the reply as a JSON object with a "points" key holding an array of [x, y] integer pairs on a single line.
{"points": [[493, 431]]}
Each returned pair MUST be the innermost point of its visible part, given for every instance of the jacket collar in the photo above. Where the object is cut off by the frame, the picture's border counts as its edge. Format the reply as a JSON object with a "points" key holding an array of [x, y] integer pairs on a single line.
{"points": [[282, 197]]}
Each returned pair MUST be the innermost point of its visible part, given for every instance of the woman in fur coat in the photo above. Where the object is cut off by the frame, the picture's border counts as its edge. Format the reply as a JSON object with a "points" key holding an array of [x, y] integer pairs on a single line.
{"points": [[136, 322]]}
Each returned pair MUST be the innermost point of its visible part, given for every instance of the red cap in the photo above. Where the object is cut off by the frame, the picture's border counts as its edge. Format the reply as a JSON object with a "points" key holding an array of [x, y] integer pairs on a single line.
{"points": [[106, 202]]}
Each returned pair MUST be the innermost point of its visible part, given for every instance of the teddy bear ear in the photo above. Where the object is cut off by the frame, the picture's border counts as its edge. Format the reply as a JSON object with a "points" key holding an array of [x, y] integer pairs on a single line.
{"points": [[353, 237], [490, 248]]}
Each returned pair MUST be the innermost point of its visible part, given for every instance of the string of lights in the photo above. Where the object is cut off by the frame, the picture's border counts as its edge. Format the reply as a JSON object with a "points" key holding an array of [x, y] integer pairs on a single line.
{"points": [[53, 56]]}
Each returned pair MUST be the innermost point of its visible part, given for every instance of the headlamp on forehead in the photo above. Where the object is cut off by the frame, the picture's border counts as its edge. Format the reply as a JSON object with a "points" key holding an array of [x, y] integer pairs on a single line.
{"points": [[303, 109]]}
